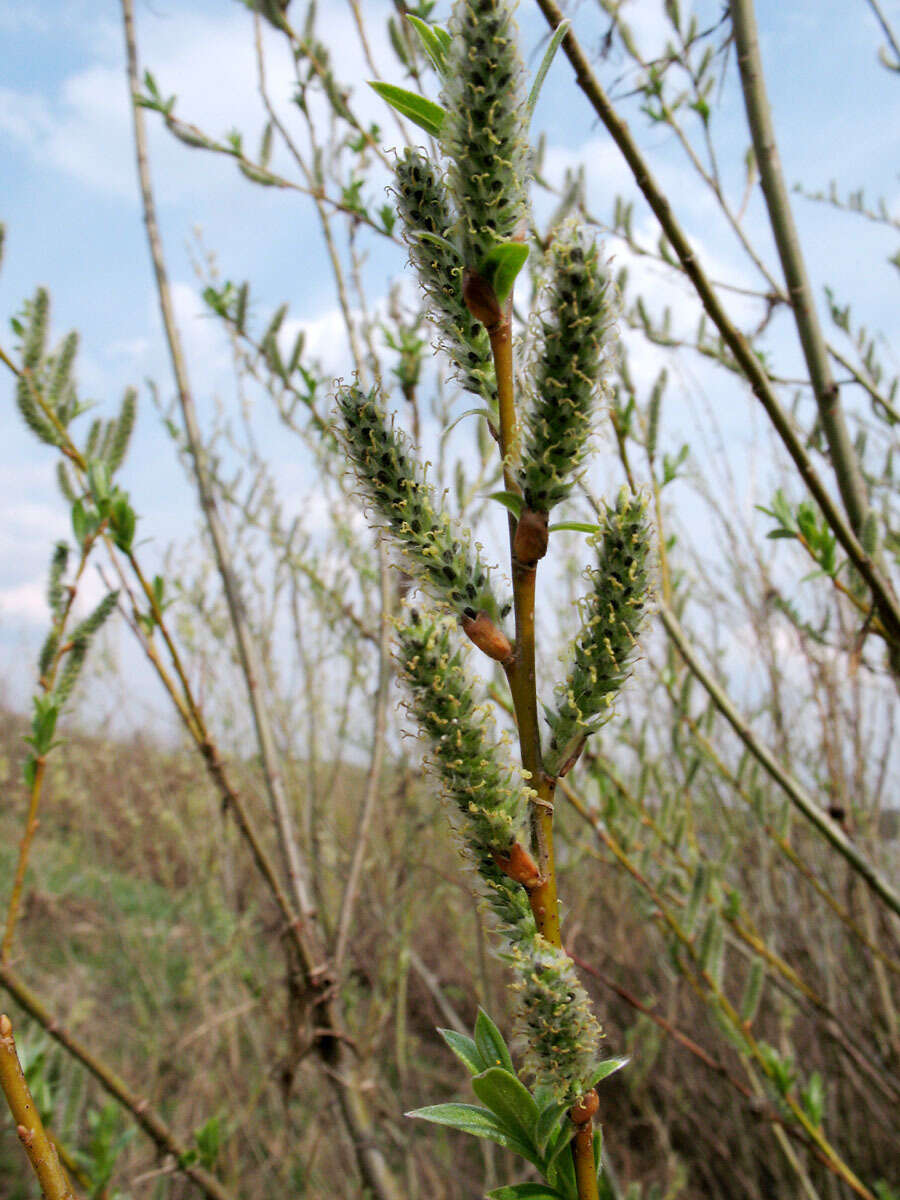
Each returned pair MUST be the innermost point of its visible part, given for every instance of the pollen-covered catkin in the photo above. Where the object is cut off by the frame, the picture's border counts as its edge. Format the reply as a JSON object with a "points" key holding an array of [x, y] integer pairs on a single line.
{"points": [[571, 354], [554, 1019], [485, 790], [612, 613], [486, 127], [425, 209], [385, 465]]}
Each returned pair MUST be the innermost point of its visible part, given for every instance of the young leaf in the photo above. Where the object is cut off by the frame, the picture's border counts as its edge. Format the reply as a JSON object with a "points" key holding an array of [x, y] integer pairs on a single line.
{"points": [[610, 1066], [574, 526], [501, 265], [490, 1043], [424, 113], [547, 1123], [561, 30], [511, 500], [464, 1049], [435, 41], [479, 1122], [509, 1100]]}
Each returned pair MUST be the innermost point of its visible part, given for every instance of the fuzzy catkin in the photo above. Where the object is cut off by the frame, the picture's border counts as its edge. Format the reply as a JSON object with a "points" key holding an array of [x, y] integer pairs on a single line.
{"points": [[486, 127], [424, 208], [572, 348], [561, 1036], [486, 792], [394, 483], [612, 614]]}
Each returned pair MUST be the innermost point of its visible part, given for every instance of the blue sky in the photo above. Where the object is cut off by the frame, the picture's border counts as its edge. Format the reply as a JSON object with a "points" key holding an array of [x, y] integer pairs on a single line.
{"points": [[69, 201]]}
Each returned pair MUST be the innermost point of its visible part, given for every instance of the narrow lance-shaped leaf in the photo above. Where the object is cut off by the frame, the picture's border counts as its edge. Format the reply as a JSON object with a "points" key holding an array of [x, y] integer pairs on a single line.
{"points": [[424, 113]]}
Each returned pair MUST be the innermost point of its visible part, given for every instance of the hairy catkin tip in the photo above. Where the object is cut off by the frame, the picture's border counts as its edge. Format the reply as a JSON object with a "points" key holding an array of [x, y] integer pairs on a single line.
{"points": [[612, 615], [570, 365], [485, 132]]}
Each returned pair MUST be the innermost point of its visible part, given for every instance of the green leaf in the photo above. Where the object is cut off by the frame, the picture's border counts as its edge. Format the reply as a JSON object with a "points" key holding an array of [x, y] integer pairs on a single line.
{"points": [[525, 1191], [479, 1122], [509, 1100], [610, 1066], [574, 526], [547, 1123], [511, 500], [565, 1135], [501, 265], [561, 30], [490, 1043], [435, 41], [464, 1049], [424, 113]]}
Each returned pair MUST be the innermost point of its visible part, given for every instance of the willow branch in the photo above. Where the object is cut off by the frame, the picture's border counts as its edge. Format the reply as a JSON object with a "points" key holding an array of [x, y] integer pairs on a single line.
{"points": [[781, 218], [139, 1108], [795, 793], [29, 1126], [373, 778], [247, 650], [736, 341]]}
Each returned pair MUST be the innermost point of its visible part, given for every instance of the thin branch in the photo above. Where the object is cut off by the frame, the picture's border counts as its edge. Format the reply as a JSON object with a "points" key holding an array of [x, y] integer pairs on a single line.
{"points": [[139, 1108], [247, 649], [741, 349], [29, 1126], [796, 794], [781, 218], [373, 779]]}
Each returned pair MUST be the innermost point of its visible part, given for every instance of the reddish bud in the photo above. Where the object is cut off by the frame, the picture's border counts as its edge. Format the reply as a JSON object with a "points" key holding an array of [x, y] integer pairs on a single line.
{"points": [[480, 299], [519, 866], [530, 541], [483, 633], [583, 1111]]}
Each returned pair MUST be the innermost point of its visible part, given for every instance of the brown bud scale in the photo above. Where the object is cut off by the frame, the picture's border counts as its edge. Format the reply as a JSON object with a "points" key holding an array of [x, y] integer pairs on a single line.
{"points": [[531, 538], [584, 1110], [481, 299], [483, 633], [519, 866]]}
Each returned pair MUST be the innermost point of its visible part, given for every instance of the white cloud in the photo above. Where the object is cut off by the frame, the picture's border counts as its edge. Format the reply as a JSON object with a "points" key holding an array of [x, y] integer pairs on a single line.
{"points": [[24, 602], [210, 62]]}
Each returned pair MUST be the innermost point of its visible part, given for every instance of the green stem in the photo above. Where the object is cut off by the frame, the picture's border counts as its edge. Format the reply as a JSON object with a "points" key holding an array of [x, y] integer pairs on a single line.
{"points": [[31, 825], [521, 672], [29, 1126], [583, 1158], [781, 219]]}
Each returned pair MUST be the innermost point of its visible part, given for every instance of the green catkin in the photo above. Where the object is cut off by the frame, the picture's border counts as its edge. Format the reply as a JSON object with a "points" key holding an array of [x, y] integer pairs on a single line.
{"points": [[424, 208], [61, 390], [28, 395], [395, 485], [485, 132], [572, 350], [56, 596], [561, 1036], [612, 614], [122, 430], [80, 639], [486, 793]]}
